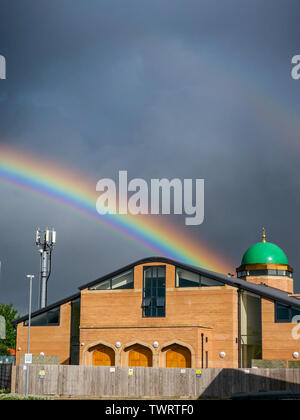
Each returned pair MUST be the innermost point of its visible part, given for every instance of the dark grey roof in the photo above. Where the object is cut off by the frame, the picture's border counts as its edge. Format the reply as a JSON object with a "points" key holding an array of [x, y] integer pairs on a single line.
{"points": [[259, 289], [47, 308]]}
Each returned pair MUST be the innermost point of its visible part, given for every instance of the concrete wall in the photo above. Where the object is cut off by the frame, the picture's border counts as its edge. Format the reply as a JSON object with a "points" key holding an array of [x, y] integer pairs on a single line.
{"points": [[38, 360], [152, 382]]}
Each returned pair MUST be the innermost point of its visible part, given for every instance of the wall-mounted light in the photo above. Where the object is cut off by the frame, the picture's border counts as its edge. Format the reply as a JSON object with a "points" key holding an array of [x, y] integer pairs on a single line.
{"points": [[155, 344], [82, 344], [295, 355], [222, 354], [42, 353], [118, 344]]}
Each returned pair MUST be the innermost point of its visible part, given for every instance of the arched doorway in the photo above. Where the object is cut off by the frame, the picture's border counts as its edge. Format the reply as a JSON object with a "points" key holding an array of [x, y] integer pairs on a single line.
{"points": [[139, 355], [103, 356], [177, 356]]}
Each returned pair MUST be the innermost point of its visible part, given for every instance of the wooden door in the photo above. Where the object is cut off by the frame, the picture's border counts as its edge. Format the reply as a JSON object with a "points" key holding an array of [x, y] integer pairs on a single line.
{"points": [[103, 356], [178, 357], [140, 356]]}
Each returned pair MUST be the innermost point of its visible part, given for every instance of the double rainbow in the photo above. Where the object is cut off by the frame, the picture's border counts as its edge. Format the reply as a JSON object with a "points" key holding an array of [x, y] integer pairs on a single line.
{"points": [[75, 191]]}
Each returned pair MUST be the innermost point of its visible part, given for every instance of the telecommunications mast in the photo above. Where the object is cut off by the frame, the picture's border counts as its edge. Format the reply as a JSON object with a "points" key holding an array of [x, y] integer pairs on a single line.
{"points": [[45, 240]]}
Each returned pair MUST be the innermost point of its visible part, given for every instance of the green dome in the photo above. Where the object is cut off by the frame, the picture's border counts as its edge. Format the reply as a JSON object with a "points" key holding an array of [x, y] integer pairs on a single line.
{"points": [[263, 253]]}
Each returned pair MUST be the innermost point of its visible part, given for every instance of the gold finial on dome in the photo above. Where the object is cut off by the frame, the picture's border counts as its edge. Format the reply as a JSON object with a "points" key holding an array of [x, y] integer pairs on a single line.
{"points": [[263, 234]]}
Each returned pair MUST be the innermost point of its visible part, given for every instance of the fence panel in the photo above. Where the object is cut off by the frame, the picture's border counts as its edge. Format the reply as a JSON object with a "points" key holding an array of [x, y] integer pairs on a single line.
{"points": [[5, 375], [141, 382]]}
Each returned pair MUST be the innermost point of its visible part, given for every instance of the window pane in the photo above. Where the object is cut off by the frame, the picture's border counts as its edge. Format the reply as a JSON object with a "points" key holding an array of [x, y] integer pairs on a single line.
{"points": [[147, 288], [282, 313], [154, 282], [161, 277], [208, 282], [274, 273], [104, 285], [53, 317], [281, 272], [123, 281], [250, 328], [47, 318], [147, 312], [39, 320], [161, 312], [160, 302], [154, 291], [186, 278], [146, 302], [295, 312], [258, 272]]}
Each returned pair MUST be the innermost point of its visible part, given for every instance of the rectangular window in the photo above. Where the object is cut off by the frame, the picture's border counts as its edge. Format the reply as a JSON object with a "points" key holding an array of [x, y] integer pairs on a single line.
{"points": [[105, 285], [154, 292], [285, 313], [250, 328], [122, 281], [49, 318], [208, 282], [185, 278]]}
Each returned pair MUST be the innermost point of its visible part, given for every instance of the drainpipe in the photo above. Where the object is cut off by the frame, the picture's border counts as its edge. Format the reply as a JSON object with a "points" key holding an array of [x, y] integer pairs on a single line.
{"points": [[239, 329], [202, 350]]}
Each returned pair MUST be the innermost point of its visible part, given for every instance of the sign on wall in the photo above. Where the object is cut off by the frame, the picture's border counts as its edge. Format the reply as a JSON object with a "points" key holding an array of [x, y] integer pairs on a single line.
{"points": [[28, 358]]}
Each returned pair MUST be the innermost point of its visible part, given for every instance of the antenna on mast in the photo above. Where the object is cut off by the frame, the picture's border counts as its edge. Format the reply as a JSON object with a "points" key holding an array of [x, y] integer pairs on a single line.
{"points": [[45, 241]]}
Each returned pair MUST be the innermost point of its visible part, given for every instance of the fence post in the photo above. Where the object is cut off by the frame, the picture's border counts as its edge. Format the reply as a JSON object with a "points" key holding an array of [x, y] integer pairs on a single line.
{"points": [[13, 380]]}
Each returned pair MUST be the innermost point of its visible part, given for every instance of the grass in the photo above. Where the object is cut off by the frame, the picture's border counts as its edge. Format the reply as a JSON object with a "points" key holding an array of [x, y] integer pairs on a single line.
{"points": [[6, 395]]}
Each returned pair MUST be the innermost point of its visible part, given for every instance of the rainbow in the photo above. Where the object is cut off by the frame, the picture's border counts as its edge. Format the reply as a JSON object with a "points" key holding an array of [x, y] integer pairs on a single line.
{"points": [[75, 191]]}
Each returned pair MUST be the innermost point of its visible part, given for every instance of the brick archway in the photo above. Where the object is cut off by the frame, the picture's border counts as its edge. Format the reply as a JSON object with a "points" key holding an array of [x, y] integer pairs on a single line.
{"points": [[177, 354], [137, 354], [100, 353]]}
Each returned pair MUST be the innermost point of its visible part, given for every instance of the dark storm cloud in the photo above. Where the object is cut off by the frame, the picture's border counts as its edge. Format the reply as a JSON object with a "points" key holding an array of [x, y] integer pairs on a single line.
{"points": [[197, 89]]}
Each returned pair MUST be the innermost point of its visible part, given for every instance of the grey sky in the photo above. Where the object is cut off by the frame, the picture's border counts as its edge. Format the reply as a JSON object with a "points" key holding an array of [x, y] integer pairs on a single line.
{"points": [[173, 88]]}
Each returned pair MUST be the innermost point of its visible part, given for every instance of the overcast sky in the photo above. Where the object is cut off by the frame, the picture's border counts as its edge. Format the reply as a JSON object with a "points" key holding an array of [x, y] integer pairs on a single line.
{"points": [[161, 88]]}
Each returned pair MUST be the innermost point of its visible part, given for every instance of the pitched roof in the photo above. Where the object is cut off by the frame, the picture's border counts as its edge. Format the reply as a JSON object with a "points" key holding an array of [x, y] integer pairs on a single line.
{"points": [[47, 308], [259, 289]]}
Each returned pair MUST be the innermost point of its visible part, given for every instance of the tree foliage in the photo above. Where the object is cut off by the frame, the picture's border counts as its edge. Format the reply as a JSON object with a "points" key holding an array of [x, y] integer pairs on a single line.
{"points": [[10, 314], [3, 349]]}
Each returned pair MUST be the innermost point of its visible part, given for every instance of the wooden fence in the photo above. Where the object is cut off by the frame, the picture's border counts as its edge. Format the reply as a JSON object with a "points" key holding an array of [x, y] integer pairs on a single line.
{"points": [[141, 382], [5, 375]]}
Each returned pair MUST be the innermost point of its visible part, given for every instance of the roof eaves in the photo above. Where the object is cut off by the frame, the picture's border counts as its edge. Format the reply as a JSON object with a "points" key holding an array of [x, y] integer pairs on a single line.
{"points": [[47, 308]]}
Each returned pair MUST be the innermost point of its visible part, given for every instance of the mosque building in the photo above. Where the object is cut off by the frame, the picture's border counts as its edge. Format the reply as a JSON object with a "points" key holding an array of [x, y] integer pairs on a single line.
{"points": [[158, 312]]}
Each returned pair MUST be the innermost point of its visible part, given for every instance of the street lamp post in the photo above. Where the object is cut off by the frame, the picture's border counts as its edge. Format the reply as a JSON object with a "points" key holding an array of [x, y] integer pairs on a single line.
{"points": [[30, 277]]}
